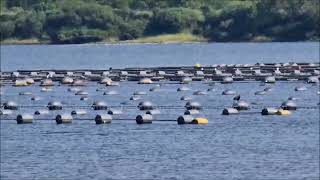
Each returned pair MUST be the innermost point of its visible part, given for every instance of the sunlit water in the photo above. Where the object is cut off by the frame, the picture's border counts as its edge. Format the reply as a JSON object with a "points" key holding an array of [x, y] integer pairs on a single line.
{"points": [[245, 146]]}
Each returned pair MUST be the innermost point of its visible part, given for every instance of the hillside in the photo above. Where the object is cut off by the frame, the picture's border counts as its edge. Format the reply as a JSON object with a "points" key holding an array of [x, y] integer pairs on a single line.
{"points": [[83, 21]]}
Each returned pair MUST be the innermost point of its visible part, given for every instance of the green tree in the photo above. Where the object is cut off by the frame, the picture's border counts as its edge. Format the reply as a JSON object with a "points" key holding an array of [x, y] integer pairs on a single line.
{"points": [[131, 30], [96, 16], [174, 20], [6, 29], [233, 22], [66, 21], [29, 24]]}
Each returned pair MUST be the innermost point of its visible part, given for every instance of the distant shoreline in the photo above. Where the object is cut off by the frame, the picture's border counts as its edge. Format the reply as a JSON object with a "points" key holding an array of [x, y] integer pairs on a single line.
{"points": [[108, 43], [182, 38], [158, 39], [134, 43]]}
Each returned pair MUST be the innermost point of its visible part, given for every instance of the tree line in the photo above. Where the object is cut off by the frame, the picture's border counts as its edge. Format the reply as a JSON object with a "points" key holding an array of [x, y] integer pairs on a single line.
{"points": [[82, 21]]}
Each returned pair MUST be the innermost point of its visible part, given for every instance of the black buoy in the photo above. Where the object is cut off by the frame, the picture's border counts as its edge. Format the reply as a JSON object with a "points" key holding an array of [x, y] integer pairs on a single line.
{"points": [[236, 98], [269, 111], [79, 112], [114, 112], [185, 119], [241, 105], [112, 92], [193, 105], [186, 98], [191, 112], [64, 118], [35, 98], [84, 98], [99, 105], [41, 112], [300, 88], [230, 111], [154, 89], [103, 119], [24, 119], [145, 105], [54, 105], [134, 98], [289, 105], [153, 112], [267, 89], [292, 98], [10, 105], [144, 119], [25, 93]]}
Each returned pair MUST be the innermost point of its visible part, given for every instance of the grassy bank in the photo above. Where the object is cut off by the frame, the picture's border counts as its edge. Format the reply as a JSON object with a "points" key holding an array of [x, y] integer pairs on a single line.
{"points": [[23, 41], [166, 38], [169, 38]]}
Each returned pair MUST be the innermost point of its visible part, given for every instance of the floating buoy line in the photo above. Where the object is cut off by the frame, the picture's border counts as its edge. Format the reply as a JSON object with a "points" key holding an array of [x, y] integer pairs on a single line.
{"points": [[154, 78], [156, 107], [264, 72]]}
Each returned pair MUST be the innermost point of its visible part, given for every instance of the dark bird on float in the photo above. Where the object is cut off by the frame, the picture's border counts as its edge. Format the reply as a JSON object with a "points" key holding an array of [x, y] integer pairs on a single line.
{"points": [[236, 98]]}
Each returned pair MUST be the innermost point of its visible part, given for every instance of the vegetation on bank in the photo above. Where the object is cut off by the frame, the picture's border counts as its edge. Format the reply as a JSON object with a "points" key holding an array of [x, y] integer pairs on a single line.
{"points": [[169, 38], [83, 21], [23, 41]]}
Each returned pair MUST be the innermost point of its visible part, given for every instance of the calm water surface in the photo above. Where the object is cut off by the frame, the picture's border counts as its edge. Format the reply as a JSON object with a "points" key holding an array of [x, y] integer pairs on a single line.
{"points": [[119, 56], [246, 146]]}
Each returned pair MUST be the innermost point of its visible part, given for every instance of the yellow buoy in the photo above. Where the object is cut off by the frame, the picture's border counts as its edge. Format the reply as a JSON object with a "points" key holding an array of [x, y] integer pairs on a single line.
{"points": [[282, 112], [197, 65], [199, 120]]}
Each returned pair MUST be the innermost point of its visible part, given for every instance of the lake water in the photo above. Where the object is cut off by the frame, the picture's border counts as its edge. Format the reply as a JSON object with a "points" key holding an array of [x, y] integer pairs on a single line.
{"points": [[119, 56], [245, 146]]}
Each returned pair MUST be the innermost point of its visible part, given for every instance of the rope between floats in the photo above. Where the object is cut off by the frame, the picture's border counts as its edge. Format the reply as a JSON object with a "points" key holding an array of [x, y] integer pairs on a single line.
{"points": [[164, 107], [88, 119]]}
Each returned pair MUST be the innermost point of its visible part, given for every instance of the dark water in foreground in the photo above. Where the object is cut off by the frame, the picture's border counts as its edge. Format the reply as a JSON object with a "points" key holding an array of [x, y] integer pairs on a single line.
{"points": [[145, 55], [247, 146]]}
